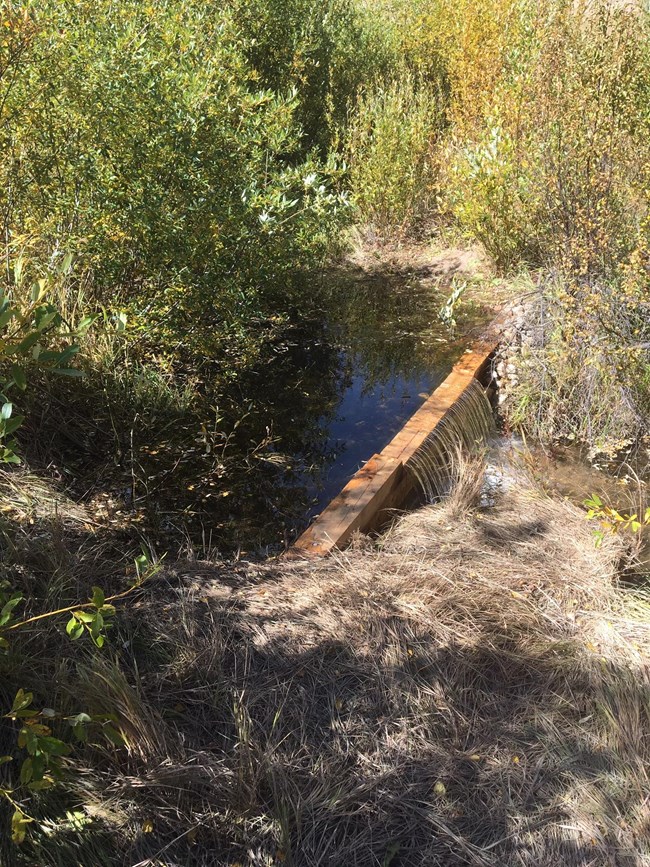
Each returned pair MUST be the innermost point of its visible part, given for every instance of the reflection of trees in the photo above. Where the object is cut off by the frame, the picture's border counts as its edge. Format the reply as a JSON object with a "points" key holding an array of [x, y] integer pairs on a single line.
{"points": [[293, 397], [388, 323]]}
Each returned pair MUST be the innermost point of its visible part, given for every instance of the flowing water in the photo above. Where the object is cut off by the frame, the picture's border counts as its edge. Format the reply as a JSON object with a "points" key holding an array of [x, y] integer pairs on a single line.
{"points": [[465, 427]]}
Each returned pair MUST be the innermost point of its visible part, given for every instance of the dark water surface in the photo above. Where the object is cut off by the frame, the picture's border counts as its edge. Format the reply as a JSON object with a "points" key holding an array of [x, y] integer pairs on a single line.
{"points": [[245, 463], [368, 415], [339, 392]]}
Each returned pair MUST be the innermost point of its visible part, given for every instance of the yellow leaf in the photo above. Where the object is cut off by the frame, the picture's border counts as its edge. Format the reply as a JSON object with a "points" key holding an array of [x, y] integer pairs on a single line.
{"points": [[147, 826]]}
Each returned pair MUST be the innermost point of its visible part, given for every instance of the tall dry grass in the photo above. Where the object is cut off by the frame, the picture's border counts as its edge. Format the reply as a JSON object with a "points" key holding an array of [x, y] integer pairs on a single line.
{"points": [[473, 690]]}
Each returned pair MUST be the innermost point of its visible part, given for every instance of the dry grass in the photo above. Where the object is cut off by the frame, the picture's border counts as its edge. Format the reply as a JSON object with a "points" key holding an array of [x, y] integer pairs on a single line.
{"points": [[474, 690]]}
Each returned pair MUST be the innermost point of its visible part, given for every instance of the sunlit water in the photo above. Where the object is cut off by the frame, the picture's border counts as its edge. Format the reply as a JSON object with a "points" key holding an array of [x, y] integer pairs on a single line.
{"points": [[366, 418]]}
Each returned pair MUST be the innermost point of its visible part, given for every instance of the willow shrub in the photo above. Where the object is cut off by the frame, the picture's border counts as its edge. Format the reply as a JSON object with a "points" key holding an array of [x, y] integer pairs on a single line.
{"points": [[140, 138], [391, 154], [325, 51], [553, 171]]}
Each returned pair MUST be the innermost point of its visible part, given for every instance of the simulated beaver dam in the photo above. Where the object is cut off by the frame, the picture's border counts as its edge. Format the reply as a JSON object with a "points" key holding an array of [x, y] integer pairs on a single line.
{"points": [[247, 465], [342, 390]]}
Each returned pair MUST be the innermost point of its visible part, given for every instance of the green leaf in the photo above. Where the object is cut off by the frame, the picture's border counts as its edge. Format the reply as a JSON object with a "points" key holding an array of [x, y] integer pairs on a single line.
{"points": [[53, 746], [7, 409], [86, 322], [45, 318], [25, 344], [66, 263], [19, 821], [38, 764], [69, 352], [39, 289], [8, 607], [6, 316], [22, 700], [69, 371], [19, 377], [5, 759], [96, 626], [141, 563], [12, 425], [79, 719], [98, 597], [26, 771], [74, 628], [41, 785]]}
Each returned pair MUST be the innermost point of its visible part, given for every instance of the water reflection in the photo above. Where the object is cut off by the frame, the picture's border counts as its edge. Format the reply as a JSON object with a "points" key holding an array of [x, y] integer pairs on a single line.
{"points": [[245, 465], [380, 353]]}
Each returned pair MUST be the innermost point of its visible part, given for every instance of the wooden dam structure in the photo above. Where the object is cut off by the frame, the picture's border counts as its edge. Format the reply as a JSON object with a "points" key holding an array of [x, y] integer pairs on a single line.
{"points": [[388, 482]]}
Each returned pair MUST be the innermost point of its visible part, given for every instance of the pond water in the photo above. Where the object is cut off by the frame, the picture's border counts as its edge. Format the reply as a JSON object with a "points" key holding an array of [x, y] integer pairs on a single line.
{"points": [[336, 390], [246, 465], [343, 391]]}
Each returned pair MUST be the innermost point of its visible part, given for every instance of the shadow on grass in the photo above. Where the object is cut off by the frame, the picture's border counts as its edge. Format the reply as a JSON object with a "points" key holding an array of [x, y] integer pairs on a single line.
{"points": [[270, 733]]}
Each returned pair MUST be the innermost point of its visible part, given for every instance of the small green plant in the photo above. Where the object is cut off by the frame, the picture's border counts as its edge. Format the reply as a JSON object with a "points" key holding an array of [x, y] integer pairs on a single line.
{"points": [[612, 520], [42, 768], [446, 312], [92, 617]]}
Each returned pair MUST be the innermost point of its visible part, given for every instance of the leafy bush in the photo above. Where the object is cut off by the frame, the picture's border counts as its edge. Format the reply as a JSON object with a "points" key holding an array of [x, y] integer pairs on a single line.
{"points": [[323, 52], [555, 174], [580, 366], [150, 150], [391, 151]]}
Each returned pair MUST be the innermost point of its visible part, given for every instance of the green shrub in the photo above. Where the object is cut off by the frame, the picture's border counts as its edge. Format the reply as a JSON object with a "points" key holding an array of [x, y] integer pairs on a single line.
{"points": [[324, 52], [391, 152], [555, 171], [138, 136]]}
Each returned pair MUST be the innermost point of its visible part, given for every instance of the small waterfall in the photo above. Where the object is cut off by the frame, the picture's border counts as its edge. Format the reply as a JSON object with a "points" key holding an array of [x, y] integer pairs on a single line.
{"points": [[466, 425]]}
